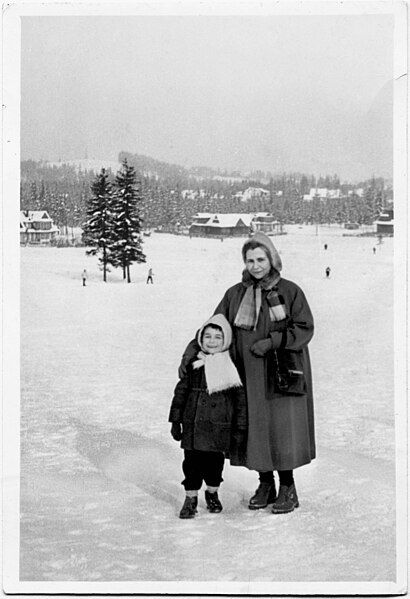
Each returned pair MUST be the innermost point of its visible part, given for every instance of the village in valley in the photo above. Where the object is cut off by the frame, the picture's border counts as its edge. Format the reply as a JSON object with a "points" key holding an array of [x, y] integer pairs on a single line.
{"points": [[54, 200]]}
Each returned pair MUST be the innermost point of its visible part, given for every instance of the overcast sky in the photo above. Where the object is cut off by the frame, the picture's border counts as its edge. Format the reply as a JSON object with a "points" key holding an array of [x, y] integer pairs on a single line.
{"points": [[284, 93]]}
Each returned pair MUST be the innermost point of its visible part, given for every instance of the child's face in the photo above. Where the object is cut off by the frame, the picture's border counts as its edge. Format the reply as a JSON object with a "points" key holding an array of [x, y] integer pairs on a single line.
{"points": [[212, 340]]}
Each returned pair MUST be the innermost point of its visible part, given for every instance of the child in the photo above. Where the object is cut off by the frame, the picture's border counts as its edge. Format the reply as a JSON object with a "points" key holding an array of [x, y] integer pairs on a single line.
{"points": [[208, 415]]}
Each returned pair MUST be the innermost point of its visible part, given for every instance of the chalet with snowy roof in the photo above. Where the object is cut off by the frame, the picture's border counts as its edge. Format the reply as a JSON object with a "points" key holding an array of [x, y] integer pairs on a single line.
{"points": [[192, 194], [322, 193], [36, 227], [220, 225], [359, 191], [265, 222], [385, 222], [255, 192]]}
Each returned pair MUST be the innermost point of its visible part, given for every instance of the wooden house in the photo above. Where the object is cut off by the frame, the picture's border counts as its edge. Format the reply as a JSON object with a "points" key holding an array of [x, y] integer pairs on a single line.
{"points": [[385, 222], [36, 227], [220, 225]]}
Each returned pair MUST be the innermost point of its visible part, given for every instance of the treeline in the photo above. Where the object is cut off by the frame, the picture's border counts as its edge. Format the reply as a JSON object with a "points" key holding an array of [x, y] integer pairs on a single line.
{"points": [[65, 190]]}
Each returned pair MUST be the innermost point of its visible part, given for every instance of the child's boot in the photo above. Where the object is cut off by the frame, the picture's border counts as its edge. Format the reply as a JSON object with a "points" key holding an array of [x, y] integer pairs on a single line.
{"points": [[212, 502], [189, 510]]}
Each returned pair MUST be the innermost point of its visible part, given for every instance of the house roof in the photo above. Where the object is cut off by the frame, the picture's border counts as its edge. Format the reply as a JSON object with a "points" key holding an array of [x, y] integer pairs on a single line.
{"points": [[384, 222], [34, 215], [257, 190], [225, 220]]}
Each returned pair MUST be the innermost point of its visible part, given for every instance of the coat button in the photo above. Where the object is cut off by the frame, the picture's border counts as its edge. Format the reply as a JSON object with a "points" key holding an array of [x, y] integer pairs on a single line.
{"points": [[213, 404]]}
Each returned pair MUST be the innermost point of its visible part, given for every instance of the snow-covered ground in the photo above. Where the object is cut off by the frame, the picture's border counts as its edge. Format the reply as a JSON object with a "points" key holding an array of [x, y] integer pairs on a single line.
{"points": [[100, 484]]}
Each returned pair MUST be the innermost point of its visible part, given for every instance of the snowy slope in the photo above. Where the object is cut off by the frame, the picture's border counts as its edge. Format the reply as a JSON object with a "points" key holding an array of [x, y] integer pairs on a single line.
{"points": [[101, 475]]}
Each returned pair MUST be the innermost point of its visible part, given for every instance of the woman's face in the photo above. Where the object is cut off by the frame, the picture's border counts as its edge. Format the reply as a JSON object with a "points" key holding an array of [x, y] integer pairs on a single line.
{"points": [[257, 263]]}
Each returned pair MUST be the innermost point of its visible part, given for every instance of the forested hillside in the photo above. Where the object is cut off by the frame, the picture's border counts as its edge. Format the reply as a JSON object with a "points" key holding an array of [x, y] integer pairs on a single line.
{"points": [[171, 194]]}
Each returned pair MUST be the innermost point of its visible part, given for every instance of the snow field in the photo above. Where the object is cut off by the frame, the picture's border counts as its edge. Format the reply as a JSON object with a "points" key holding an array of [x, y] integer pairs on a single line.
{"points": [[100, 484]]}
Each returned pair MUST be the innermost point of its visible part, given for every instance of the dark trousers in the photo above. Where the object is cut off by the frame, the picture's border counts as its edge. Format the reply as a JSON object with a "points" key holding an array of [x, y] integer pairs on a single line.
{"points": [[200, 466], [150, 279]]}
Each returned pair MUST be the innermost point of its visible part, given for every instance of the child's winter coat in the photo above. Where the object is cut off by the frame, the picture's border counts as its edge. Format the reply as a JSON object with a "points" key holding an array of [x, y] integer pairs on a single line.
{"points": [[214, 421]]}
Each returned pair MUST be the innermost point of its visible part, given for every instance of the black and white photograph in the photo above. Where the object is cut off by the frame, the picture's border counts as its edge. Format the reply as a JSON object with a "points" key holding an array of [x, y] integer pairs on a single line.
{"points": [[204, 298]]}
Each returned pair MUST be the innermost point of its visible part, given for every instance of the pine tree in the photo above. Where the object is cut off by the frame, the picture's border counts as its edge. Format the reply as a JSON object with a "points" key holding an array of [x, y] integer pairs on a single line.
{"points": [[127, 246], [97, 230], [34, 199]]}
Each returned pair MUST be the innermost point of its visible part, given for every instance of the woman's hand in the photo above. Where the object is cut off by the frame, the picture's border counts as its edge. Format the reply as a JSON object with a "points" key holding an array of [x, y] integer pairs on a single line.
{"points": [[260, 348], [176, 431]]}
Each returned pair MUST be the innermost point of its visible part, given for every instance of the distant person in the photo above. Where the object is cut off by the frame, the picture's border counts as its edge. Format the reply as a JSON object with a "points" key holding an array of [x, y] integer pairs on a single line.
{"points": [[325, 246], [149, 277], [374, 250], [208, 414], [327, 272], [84, 277]]}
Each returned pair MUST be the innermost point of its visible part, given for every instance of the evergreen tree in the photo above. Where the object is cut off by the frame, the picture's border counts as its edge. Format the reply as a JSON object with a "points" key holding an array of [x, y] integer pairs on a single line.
{"points": [[127, 245], [34, 199], [97, 230]]}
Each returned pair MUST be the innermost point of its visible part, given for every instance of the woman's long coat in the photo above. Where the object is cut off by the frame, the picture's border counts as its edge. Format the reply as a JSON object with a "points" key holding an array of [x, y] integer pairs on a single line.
{"points": [[280, 424]]}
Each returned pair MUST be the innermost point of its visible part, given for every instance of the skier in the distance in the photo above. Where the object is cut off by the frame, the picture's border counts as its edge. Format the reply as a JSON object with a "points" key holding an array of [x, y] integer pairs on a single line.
{"points": [[84, 277], [327, 272]]}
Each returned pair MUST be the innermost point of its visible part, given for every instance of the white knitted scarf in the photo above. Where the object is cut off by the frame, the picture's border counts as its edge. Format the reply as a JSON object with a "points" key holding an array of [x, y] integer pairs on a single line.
{"points": [[220, 371]]}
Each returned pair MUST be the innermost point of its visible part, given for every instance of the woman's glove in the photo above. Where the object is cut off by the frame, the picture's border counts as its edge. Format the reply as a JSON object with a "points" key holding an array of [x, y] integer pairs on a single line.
{"points": [[176, 431], [261, 347]]}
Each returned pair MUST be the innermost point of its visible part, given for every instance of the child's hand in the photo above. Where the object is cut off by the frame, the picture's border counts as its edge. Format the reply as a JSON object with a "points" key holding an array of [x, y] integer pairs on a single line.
{"points": [[176, 431], [261, 347]]}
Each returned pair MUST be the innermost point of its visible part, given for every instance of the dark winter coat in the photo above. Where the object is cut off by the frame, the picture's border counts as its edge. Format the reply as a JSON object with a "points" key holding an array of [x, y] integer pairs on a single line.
{"points": [[281, 423], [216, 422]]}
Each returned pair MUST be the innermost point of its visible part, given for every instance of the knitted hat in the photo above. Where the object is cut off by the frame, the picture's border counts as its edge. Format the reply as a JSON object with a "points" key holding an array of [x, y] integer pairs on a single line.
{"points": [[272, 252], [220, 321]]}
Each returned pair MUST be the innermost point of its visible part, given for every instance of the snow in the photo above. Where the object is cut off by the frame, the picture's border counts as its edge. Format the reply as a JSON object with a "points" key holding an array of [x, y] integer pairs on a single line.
{"points": [[100, 483]]}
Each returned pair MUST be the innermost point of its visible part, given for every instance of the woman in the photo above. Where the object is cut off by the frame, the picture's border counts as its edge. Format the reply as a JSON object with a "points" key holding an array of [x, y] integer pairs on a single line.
{"points": [[272, 325]]}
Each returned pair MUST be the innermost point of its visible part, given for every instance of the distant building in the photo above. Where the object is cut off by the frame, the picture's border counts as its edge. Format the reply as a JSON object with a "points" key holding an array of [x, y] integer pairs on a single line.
{"points": [[385, 222], [220, 225], [351, 226], [36, 227], [265, 222], [322, 193], [255, 192], [359, 191], [192, 194]]}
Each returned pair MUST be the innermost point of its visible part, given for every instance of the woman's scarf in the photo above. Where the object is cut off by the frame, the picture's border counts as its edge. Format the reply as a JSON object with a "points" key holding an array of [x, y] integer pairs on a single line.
{"points": [[220, 371], [248, 312]]}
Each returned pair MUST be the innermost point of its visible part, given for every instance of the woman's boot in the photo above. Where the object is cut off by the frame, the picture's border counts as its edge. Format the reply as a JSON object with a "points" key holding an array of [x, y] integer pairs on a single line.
{"points": [[287, 500], [264, 494]]}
